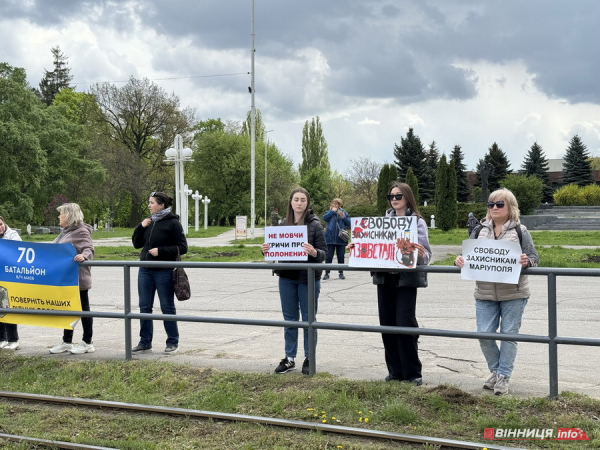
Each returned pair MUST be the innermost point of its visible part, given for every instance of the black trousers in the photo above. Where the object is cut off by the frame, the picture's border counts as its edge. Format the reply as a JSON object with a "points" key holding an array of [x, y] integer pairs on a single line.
{"points": [[8, 332], [86, 322], [397, 307]]}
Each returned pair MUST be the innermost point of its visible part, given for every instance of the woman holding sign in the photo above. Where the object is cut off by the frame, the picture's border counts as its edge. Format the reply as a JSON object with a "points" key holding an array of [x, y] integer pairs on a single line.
{"points": [[293, 284], [397, 295], [9, 336], [501, 304], [78, 233]]}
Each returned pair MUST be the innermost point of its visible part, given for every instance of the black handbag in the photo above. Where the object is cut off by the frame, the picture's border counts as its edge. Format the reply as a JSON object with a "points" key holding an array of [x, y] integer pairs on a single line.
{"points": [[343, 234], [181, 283]]}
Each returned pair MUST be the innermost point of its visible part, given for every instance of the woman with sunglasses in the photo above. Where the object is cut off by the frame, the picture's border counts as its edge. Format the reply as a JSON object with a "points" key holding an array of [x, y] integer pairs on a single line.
{"points": [[161, 238], [397, 298], [501, 304]]}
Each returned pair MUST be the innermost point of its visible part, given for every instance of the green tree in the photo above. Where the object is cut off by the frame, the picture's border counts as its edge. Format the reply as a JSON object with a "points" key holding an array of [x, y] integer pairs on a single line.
{"points": [[53, 81], [363, 175], [499, 161], [342, 188], [317, 181], [226, 183], [209, 125], [462, 183], [144, 119], [527, 189], [411, 153], [536, 164], [427, 191], [387, 175], [577, 168], [314, 147], [445, 196], [412, 181], [259, 126]]}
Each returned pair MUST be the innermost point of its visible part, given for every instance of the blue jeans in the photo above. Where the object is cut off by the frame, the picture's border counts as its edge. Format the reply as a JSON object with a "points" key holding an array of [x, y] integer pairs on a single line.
{"points": [[340, 250], [294, 300], [507, 314], [150, 282]]}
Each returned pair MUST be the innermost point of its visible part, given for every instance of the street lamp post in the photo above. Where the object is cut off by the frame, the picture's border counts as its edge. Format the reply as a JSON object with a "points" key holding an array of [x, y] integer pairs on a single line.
{"points": [[196, 197], [179, 155], [266, 148], [206, 201]]}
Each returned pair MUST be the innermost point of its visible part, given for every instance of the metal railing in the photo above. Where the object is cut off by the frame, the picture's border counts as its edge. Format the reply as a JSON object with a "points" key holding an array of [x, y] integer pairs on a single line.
{"points": [[551, 339]]}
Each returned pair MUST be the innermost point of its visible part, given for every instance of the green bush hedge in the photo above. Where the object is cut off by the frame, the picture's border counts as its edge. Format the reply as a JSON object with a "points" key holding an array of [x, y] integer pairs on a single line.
{"points": [[573, 195]]}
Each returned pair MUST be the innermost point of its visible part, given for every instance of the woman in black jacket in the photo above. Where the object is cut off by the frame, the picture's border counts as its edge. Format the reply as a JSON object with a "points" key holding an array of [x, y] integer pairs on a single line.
{"points": [[161, 238], [293, 284]]}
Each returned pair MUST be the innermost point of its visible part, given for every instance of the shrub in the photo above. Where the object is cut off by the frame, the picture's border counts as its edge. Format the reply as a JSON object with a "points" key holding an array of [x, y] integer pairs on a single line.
{"points": [[573, 195], [527, 189]]}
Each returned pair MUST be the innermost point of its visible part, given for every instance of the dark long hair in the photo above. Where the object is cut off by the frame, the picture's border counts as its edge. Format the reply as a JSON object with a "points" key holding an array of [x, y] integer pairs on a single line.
{"points": [[408, 195], [289, 218]]}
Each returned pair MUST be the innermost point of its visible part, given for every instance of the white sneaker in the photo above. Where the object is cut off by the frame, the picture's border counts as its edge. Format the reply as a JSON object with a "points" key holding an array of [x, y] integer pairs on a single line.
{"points": [[82, 347], [12, 346], [63, 347], [3, 344]]}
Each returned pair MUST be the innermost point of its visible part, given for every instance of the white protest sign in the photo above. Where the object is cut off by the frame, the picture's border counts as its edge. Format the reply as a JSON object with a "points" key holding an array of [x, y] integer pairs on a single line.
{"points": [[384, 242], [286, 243], [491, 260]]}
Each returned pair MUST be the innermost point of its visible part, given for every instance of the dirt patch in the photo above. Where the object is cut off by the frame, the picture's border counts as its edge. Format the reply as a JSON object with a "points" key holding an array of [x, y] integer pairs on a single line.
{"points": [[591, 259], [454, 395]]}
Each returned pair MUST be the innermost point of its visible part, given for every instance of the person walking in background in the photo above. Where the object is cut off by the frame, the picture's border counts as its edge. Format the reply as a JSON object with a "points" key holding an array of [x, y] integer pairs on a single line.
{"points": [[78, 233], [161, 238], [472, 223], [501, 304], [9, 336], [397, 295], [293, 284], [336, 219], [275, 217]]}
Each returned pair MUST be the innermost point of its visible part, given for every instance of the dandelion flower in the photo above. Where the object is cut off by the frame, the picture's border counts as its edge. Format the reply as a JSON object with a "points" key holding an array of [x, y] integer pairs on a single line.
{"points": [[310, 409], [360, 419], [324, 420], [333, 418], [366, 419]]}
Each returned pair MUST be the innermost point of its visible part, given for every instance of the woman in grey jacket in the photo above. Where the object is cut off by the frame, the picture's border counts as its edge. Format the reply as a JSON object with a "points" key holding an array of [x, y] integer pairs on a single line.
{"points": [[79, 234], [502, 304]]}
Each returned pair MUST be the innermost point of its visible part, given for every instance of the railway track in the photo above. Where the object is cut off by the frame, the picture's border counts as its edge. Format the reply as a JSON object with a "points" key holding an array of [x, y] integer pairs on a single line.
{"points": [[294, 424]]}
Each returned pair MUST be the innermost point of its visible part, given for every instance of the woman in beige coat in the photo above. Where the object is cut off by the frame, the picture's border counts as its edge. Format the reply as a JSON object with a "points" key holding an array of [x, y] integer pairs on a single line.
{"points": [[80, 235]]}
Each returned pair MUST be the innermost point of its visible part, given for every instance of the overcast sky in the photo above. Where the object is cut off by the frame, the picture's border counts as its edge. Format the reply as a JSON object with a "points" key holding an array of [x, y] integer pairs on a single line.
{"points": [[466, 72]]}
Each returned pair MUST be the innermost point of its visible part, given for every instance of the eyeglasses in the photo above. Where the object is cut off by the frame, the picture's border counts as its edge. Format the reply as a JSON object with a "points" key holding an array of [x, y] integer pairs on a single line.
{"points": [[391, 197], [499, 204]]}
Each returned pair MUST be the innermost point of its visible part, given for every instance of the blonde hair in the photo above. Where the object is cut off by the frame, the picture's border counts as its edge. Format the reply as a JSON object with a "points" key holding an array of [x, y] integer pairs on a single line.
{"points": [[510, 202], [338, 201], [72, 213]]}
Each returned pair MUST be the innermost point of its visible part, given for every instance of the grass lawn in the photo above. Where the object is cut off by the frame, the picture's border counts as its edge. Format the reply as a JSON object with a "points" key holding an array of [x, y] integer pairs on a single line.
{"points": [[440, 411]]}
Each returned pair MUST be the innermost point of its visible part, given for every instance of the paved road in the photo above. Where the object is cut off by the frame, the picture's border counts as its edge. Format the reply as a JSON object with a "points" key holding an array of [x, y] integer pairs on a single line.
{"points": [[446, 304]]}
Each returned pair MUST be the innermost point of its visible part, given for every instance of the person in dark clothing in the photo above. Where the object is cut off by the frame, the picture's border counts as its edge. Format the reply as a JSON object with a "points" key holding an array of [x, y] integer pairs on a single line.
{"points": [[336, 219], [472, 223], [397, 300], [9, 336], [161, 238], [293, 284], [275, 217]]}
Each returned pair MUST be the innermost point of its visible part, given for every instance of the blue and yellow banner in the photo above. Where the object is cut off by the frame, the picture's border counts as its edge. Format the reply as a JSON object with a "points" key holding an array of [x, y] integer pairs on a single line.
{"points": [[39, 276]]}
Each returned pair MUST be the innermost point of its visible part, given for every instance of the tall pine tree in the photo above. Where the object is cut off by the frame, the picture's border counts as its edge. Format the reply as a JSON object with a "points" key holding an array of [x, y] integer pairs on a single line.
{"points": [[411, 153], [387, 175], [577, 168], [412, 181], [536, 164], [314, 147], [498, 159], [59, 78], [462, 183], [428, 184], [445, 195]]}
